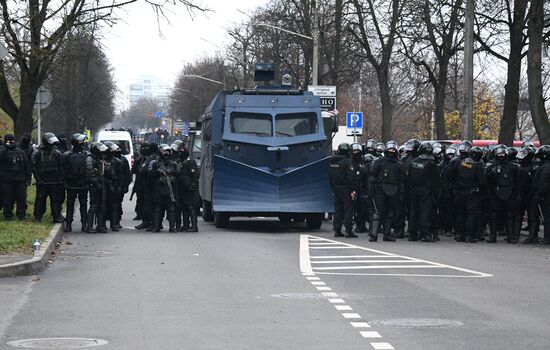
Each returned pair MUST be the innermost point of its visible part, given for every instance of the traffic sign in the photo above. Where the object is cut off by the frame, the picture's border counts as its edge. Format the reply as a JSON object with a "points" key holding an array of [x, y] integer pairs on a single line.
{"points": [[158, 115], [3, 51], [354, 123], [322, 90], [328, 103], [43, 98]]}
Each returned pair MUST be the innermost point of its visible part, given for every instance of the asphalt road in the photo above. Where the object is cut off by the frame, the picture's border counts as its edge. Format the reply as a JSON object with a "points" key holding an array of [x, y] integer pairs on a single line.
{"points": [[262, 285]]}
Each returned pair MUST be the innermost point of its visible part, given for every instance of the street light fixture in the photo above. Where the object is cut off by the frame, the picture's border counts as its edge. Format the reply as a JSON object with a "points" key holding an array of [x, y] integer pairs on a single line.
{"points": [[314, 38], [194, 76]]}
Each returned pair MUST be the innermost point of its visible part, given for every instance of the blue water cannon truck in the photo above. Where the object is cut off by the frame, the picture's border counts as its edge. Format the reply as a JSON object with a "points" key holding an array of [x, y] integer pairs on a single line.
{"points": [[266, 153]]}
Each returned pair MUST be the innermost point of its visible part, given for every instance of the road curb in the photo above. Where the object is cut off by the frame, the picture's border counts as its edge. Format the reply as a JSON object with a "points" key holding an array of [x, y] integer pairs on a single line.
{"points": [[34, 264]]}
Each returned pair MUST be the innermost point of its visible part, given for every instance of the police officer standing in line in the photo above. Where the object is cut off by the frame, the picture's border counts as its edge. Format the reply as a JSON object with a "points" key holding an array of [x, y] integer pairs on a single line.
{"points": [[137, 189], [16, 173], [423, 182], [386, 188], [62, 147], [163, 173], [126, 180], [502, 190], [47, 170], [95, 176], [541, 187], [74, 173], [525, 175], [359, 206], [189, 191], [175, 155], [341, 182], [114, 183], [467, 181], [145, 188]]}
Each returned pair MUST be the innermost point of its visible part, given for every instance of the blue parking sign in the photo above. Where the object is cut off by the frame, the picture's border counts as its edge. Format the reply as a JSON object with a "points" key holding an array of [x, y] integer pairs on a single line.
{"points": [[354, 120]]}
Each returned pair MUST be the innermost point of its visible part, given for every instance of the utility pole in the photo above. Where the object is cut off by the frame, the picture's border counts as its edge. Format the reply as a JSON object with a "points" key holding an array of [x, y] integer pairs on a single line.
{"points": [[315, 35], [468, 90]]}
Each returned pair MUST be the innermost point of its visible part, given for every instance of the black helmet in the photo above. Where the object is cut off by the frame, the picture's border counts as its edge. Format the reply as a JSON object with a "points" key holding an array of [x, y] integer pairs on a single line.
{"points": [[464, 148], [367, 158], [62, 138], [144, 148], [98, 148], [370, 146], [176, 145], [512, 153], [343, 149], [543, 153], [9, 141], [525, 155], [425, 148], [438, 148], [77, 140], [25, 140], [380, 148], [392, 149], [113, 147], [476, 153], [499, 152], [450, 153], [412, 145], [356, 148], [164, 150], [49, 139], [527, 144], [153, 148]]}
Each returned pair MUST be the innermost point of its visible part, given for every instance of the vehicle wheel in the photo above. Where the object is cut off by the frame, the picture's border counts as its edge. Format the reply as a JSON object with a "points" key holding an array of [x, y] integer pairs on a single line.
{"points": [[207, 214], [299, 217], [314, 221], [221, 220]]}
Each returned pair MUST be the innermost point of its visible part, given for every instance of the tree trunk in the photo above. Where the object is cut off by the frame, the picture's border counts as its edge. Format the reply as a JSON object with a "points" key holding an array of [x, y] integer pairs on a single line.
{"points": [[439, 112], [511, 100], [385, 99], [24, 121], [534, 71]]}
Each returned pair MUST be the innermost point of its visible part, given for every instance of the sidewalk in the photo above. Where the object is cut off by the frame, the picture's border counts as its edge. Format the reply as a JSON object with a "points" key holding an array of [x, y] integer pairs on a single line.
{"points": [[22, 265]]}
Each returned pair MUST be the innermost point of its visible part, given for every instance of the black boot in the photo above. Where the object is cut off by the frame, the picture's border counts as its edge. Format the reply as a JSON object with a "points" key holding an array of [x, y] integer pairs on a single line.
{"points": [[533, 237], [193, 218], [399, 233], [142, 225], [374, 227], [387, 231], [114, 222], [350, 234], [492, 232], [338, 233], [68, 227]]}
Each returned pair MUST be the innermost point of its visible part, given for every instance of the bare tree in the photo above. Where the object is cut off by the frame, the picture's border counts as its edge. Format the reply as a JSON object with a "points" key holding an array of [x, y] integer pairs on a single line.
{"points": [[376, 30], [35, 31]]}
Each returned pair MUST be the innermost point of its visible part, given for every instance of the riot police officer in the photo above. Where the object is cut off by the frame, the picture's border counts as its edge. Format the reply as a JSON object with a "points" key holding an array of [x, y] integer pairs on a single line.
{"points": [[386, 186], [526, 171], [341, 182], [189, 191], [423, 183], [502, 190], [16, 173], [541, 187], [74, 173], [95, 177], [137, 190], [370, 147], [467, 181], [126, 180], [47, 170], [357, 173], [145, 184], [164, 172], [114, 185]]}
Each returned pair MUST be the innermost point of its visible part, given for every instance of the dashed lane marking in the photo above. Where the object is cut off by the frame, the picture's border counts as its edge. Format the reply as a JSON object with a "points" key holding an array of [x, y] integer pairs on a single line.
{"points": [[374, 263]]}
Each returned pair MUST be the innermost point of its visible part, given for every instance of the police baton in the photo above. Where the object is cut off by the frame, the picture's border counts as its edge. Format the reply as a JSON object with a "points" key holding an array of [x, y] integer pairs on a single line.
{"points": [[374, 205], [540, 212]]}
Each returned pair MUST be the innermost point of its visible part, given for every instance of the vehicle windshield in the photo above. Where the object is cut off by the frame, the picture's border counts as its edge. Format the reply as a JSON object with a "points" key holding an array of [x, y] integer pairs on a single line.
{"points": [[251, 123], [296, 124], [124, 145], [197, 145]]}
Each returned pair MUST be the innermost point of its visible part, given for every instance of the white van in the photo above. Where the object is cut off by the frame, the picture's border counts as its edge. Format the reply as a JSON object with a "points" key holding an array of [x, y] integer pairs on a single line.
{"points": [[122, 139]]}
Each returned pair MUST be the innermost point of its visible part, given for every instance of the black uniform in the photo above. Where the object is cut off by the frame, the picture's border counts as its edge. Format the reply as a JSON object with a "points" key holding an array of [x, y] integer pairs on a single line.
{"points": [[341, 181], [423, 183], [541, 188], [74, 171], [359, 201], [188, 180], [502, 191], [48, 173], [386, 184], [95, 176], [164, 172], [16, 175], [527, 201], [467, 182], [144, 184], [114, 187]]}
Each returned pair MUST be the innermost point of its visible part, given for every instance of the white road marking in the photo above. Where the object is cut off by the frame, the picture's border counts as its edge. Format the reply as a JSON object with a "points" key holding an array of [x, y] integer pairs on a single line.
{"points": [[343, 307], [305, 263], [329, 294], [351, 315], [382, 346], [318, 283], [312, 278], [360, 324], [395, 262], [323, 288], [336, 301], [370, 334]]}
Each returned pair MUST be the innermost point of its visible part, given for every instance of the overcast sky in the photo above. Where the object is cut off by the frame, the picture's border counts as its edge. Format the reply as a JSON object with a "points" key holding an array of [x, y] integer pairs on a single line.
{"points": [[134, 45]]}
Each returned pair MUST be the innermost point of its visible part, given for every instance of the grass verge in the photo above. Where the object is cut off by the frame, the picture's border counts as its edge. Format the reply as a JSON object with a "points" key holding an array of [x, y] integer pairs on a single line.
{"points": [[17, 237]]}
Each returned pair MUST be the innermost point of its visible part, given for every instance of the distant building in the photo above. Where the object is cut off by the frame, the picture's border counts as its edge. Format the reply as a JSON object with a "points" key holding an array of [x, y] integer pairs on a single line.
{"points": [[149, 86]]}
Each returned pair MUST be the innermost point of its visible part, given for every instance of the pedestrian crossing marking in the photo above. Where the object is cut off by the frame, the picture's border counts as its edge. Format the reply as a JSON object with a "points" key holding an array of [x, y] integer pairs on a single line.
{"points": [[373, 263]]}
